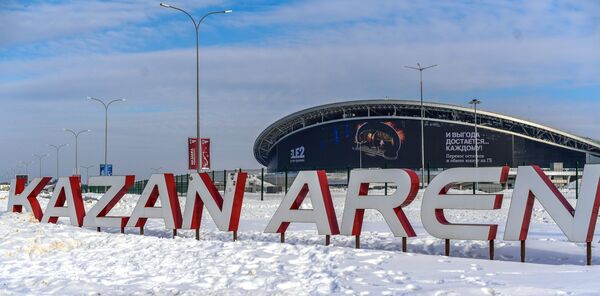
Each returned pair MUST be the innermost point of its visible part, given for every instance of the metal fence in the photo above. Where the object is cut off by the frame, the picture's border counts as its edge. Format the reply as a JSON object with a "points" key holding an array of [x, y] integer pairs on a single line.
{"points": [[259, 180]]}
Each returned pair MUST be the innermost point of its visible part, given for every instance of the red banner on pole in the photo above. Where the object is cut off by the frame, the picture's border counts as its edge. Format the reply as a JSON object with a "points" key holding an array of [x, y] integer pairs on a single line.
{"points": [[205, 143], [192, 153]]}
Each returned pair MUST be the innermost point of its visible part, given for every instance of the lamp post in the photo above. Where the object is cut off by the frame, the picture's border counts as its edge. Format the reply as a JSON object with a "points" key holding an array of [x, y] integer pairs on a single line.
{"points": [[420, 69], [76, 134], [475, 102], [12, 172], [39, 157], [106, 105], [197, 27], [57, 147], [87, 174], [18, 168], [26, 166]]}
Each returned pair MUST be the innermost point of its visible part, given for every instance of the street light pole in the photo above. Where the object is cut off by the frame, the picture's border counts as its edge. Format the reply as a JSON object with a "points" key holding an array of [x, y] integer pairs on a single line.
{"points": [[197, 27], [360, 155], [87, 173], [26, 165], [76, 134], [57, 147], [420, 69], [475, 102], [18, 168], [39, 157], [106, 127]]}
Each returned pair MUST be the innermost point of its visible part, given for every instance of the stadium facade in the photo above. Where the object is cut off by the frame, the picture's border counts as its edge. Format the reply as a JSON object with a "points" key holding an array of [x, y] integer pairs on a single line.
{"points": [[387, 134]]}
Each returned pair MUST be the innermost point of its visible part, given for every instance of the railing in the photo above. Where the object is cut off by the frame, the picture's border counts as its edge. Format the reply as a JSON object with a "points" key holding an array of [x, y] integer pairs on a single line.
{"points": [[259, 180]]}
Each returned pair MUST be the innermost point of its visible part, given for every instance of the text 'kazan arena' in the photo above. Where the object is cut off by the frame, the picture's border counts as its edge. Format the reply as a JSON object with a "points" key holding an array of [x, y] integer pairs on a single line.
{"points": [[387, 134]]}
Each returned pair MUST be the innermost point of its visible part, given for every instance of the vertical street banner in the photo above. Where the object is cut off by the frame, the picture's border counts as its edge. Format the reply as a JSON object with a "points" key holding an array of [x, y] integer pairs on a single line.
{"points": [[205, 143], [192, 153]]}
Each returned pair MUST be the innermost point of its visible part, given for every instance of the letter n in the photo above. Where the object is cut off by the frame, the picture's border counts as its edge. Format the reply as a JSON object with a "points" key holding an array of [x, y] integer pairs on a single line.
{"points": [[225, 211], [578, 225]]}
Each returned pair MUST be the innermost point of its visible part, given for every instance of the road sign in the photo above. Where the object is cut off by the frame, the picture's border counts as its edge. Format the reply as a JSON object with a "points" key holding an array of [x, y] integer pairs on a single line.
{"points": [[106, 171]]}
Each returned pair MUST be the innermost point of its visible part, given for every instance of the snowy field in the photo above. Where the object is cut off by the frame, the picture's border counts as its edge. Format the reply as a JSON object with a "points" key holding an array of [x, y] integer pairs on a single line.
{"points": [[39, 259]]}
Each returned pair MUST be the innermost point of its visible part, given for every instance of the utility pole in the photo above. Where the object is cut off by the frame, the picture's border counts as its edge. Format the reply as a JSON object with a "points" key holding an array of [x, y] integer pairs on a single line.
{"points": [[106, 105], [76, 134], [87, 173], [39, 157], [420, 69], [475, 102], [197, 27], [26, 165], [57, 147]]}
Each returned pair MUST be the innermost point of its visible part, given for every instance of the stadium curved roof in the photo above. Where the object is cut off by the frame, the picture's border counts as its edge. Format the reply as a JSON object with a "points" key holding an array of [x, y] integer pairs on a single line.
{"points": [[411, 110]]}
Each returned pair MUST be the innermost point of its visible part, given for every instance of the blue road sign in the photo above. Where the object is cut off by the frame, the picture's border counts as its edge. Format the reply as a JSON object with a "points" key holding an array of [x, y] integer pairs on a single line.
{"points": [[106, 171]]}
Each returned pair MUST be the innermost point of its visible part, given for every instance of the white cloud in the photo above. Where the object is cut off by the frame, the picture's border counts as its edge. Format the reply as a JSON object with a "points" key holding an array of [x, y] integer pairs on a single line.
{"points": [[23, 23], [245, 87]]}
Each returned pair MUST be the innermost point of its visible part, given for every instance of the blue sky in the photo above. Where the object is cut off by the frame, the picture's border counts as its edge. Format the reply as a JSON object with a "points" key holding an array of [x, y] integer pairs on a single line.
{"points": [[538, 60]]}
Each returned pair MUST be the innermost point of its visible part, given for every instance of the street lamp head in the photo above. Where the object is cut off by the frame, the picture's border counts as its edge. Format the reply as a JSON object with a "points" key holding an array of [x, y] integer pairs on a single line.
{"points": [[165, 5], [228, 11], [475, 101]]}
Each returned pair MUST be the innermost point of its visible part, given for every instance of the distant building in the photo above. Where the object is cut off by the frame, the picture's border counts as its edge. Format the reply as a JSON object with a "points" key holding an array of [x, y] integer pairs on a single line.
{"points": [[387, 133]]}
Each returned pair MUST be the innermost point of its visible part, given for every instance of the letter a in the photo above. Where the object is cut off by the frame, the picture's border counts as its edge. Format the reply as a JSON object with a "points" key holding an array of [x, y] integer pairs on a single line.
{"points": [[323, 213], [159, 186], [67, 190]]}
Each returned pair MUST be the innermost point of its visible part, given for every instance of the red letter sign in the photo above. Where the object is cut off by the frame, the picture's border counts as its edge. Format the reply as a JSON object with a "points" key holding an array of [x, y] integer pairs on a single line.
{"points": [[323, 213], [578, 225], [97, 215], [20, 196], [159, 186], [224, 211], [436, 199], [67, 190], [358, 199]]}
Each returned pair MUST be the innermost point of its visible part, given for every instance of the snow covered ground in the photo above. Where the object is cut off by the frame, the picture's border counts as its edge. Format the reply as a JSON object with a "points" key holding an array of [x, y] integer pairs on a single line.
{"points": [[61, 259]]}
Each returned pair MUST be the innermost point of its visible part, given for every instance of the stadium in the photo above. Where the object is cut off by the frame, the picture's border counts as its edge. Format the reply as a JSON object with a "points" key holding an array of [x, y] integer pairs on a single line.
{"points": [[387, 134]]}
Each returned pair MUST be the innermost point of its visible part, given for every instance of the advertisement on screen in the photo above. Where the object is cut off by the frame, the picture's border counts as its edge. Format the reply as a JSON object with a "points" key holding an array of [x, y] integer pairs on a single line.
{"points": [[391, 143]]}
